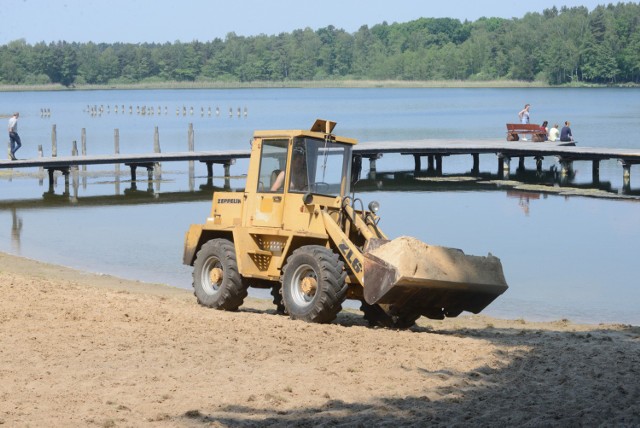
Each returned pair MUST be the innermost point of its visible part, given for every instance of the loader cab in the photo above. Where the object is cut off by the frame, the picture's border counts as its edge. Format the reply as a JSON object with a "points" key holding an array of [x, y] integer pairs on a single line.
{"points": [[304, 164], [292, 164]]}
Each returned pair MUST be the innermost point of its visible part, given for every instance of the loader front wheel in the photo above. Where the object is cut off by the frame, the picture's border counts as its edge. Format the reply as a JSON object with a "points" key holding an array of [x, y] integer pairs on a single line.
{"points": [[216, 280], [313, 284]]}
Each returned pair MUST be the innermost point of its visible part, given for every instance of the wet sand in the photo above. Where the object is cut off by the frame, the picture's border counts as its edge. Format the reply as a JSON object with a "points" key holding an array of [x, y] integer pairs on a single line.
{"points": [[79, 349]]}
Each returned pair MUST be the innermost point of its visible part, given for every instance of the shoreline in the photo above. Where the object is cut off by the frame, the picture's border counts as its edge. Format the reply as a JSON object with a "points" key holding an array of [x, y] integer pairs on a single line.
{"points": [[85, 349], [308, 84]]}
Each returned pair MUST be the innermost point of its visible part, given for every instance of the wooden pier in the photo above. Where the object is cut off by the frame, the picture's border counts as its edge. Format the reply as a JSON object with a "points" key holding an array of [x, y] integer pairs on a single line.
{"points": [[434, 150]]}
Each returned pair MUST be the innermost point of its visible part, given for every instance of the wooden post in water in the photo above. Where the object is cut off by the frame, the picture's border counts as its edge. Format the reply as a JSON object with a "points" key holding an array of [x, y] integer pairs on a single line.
{"points": [[116, 150], [54, 141], [156, 140], [83, 145], [156, 149], [190, 141], [191, 148], [41, 172], [475, 169]]}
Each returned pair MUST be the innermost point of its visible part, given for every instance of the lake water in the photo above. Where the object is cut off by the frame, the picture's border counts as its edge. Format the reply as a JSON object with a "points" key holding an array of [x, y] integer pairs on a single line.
{"points": [[568, 257]]}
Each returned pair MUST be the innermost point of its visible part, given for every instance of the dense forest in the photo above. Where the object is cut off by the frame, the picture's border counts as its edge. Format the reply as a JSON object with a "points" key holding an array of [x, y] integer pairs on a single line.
{"points": [[562, 46]]}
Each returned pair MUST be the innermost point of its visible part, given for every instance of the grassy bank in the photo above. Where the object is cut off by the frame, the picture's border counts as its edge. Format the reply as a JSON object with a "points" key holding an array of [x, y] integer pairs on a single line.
{"points": [[287, 84]]}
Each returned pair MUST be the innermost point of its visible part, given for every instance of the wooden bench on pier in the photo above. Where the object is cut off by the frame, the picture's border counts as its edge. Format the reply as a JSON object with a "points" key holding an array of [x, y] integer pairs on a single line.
{"points": [[515, 129]]}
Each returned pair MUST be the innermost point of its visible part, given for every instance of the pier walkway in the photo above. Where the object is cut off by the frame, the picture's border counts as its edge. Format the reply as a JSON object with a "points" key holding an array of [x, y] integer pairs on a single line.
{"points": [[434, 149]]}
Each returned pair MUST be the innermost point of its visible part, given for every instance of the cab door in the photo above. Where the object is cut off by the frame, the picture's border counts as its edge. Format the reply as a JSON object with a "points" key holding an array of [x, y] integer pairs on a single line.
{"points": [[267, 206]]}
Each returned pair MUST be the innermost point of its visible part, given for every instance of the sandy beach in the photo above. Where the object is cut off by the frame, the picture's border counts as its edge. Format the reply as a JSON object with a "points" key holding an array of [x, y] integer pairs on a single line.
{"points": [[78, 349]]}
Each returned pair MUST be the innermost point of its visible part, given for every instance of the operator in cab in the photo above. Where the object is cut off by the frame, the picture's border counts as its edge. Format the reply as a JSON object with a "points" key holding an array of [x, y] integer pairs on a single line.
{"points": [[298, 172]]}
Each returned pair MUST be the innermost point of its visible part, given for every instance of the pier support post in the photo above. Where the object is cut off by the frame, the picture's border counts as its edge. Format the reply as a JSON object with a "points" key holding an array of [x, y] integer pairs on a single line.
{"points": [[566, 167], [439, 164], [372, 165], [416, 162], [227, 174], [50, 172], [521, 163], [595, 171], [209, 169], [504, 165], [65, 172], [430, 163], [539, 163], [475, 169], [626, 175]]}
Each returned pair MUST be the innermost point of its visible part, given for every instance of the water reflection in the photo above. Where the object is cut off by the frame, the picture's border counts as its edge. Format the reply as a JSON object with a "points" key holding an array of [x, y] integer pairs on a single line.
{"points": [[16, 229]]}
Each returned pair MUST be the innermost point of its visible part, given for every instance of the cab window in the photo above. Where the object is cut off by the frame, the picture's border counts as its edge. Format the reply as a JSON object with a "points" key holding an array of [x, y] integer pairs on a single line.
{"points": [[273, 160]]}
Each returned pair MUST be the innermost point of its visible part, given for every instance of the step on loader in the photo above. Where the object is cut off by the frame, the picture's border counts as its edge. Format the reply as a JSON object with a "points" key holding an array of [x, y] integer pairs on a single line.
{"points": [[297, 229]]}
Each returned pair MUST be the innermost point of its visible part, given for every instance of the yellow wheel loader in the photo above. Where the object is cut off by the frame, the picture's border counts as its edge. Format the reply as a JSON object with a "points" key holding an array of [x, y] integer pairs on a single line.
{"points": [[297, 230]]}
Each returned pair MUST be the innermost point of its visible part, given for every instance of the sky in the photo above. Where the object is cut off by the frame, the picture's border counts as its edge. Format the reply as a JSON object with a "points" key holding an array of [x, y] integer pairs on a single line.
{"points": [[139, 21]]}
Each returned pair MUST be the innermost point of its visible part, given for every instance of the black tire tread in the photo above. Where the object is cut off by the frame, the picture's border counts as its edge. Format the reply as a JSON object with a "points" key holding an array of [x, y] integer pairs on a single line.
{"points": [[332, 274], [233, 290]]}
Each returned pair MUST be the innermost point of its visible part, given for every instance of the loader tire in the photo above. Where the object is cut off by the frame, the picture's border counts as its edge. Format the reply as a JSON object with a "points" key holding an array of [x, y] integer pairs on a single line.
{"points": [[384, 316], [313, 284], [216, 281], [276, 292]]}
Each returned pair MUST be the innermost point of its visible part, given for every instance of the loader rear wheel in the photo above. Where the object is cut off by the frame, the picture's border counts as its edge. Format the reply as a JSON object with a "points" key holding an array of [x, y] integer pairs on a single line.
{"points": [[313, 284], [216, 281], [276, 292], [386, 316]]}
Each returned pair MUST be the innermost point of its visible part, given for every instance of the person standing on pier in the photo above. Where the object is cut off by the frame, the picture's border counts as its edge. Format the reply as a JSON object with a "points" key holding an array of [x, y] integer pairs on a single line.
{"points": [[524, 116], [14, 138]]}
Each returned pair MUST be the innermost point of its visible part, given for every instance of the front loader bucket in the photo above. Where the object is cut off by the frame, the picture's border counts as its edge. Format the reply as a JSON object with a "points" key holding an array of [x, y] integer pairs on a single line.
{"points": [[433, 281]]}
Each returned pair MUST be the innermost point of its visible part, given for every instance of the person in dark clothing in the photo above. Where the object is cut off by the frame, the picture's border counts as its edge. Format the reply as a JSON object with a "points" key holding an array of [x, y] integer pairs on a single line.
{"points": [[565, 133]]}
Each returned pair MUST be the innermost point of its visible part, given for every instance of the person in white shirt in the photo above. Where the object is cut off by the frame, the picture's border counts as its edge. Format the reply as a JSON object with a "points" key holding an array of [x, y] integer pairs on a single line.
{"points": [[554, 133], [14, 138]]}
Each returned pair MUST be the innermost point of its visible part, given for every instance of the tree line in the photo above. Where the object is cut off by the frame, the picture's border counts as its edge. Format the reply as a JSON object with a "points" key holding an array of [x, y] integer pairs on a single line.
{"points": [[557, 46]]}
